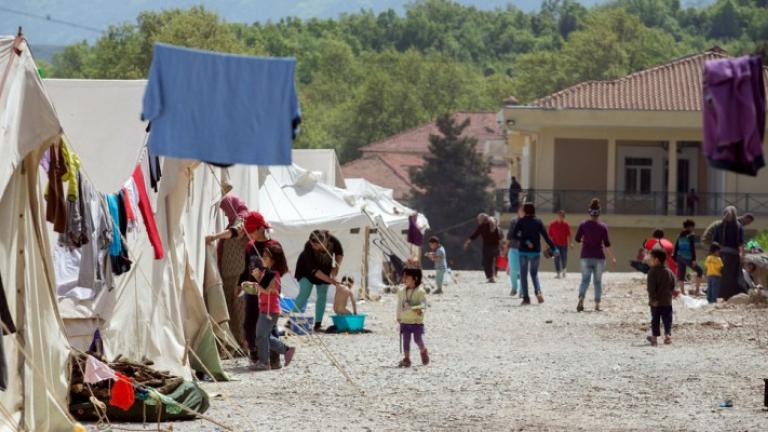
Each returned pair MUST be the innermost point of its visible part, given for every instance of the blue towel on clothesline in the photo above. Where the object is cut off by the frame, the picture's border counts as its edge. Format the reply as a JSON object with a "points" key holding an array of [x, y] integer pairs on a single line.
{"points": [[221, 108]]}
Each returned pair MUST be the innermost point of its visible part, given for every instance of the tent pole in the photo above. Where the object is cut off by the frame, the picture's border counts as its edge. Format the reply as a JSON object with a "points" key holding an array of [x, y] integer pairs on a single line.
{"points": [[366, 253]]}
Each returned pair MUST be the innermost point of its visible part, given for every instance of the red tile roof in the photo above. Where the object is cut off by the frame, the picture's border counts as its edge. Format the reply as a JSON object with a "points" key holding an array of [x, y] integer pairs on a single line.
{"points": [[673, 86], [388, 162], [382, 172], [482, 125]]}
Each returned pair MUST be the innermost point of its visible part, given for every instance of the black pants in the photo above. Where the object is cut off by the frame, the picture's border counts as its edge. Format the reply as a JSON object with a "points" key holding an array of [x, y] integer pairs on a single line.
{"points": [[661, 313], [732, 280], [489, 260]]}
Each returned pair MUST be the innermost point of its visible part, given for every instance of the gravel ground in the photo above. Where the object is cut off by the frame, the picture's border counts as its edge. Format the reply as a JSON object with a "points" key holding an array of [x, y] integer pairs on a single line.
{"points": [[499, 366]]}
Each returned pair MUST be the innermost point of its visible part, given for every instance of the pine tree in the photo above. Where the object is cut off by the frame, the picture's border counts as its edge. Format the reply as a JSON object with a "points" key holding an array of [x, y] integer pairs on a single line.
{"points": [[452, 186]]}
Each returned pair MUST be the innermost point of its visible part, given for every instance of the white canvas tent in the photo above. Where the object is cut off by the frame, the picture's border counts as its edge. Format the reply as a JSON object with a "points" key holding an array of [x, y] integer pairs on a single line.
{"points": [[295, 202], [157, 310], [323, 161], [390, 218], [37, 393]]}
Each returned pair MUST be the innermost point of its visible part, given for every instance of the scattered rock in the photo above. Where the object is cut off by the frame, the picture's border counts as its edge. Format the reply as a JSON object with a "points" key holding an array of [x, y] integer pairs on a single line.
{"points": [[739, 299]]}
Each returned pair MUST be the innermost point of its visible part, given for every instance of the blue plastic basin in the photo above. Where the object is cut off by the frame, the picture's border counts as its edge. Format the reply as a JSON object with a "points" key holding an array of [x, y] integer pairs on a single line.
{"points": [[349, 323]]}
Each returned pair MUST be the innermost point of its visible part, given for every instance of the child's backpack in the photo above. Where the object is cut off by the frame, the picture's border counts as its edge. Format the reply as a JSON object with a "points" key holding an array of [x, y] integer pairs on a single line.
{"points": [[683, 245]]}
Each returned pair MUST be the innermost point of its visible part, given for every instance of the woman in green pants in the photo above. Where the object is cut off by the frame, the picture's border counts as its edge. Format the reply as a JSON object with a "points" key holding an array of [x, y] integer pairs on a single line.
{"points": [[318, 266]]}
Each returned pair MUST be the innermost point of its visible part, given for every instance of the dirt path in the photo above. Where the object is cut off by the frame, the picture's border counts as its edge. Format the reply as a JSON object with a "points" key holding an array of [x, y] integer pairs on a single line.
{"points": [[499, 366]]}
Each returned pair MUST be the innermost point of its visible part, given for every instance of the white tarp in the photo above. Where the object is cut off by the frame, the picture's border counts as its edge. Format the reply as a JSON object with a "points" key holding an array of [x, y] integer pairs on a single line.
{"points": [[88, 111], [323, 161], [391, 220], [295, 202], [37, 385]]}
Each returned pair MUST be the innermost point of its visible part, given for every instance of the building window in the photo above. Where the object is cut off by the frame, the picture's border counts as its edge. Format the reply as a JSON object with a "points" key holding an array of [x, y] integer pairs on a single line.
{"points": [[637, 175]]}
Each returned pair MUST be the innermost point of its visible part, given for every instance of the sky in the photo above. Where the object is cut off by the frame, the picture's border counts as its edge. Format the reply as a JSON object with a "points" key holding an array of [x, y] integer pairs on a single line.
{"points": [[85, 18], [63, 22]]}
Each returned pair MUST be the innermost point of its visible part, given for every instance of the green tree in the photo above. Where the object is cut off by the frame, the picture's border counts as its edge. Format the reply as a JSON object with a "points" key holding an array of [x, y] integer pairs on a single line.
{"points": [[452, 185], [726, 21], [73, 62], [614, 43]]}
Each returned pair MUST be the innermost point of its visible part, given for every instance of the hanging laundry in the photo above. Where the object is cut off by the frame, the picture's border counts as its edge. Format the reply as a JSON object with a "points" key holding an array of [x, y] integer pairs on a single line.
{"points": [[123, 395], [56, 208], [221, 108], [95, 267], [122, 214], [415, 236], [154, 170], [146, 213], [80, 273], [121, 263], [73, 170], [79, 221], [97, 371], [8, 328], [133, 197], [116, 246], [734, 112], [129, 214]]}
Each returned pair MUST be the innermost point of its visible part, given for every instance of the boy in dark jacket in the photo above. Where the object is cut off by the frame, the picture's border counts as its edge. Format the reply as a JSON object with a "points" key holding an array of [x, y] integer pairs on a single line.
{"points": [[685, 256], [661, 284]]}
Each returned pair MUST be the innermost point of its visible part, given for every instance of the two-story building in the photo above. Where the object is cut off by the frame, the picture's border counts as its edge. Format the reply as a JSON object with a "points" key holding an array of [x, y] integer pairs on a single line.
{"points": [[635, 143]]}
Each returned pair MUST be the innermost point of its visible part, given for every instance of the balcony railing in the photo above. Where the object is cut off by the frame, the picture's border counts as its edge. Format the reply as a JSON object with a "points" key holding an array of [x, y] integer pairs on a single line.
{"points": [[653, 203]]}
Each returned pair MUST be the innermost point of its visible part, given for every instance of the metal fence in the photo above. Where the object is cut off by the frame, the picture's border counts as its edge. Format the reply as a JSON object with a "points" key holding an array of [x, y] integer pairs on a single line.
{"points": [[653, 203]]}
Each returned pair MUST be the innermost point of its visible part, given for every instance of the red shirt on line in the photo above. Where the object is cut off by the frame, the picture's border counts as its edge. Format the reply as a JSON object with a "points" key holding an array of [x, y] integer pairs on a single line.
{"points": [[560, 232]]}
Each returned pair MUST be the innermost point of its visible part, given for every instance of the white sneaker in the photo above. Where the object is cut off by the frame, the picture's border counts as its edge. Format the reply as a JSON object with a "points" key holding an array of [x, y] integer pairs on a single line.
{"points": [[557, 276]]}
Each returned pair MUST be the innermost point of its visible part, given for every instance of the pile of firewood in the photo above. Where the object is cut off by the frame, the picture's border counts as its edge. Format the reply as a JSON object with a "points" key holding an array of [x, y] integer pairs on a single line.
{"points": [[142, 374]]}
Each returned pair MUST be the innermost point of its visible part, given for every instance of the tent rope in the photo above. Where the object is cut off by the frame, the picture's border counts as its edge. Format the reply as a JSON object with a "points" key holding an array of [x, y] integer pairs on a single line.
{"points": [[175, 326], [40, 375], [8, 417]]}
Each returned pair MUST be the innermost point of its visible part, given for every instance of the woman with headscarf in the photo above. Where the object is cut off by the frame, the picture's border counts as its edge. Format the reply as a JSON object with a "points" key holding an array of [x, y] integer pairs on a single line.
{"points": [[231, 252], [254, 230], [730, 235], [488, 229], [317, 267]]}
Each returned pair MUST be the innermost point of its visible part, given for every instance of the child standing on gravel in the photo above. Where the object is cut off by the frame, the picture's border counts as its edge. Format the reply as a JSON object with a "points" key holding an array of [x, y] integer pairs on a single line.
{"points": [[437, 255], [661, 284], [411, 304], [714, 265]]}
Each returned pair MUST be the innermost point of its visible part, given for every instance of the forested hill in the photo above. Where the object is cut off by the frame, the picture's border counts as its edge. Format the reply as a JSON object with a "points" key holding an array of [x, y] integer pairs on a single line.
{"points": [[368, 75]]}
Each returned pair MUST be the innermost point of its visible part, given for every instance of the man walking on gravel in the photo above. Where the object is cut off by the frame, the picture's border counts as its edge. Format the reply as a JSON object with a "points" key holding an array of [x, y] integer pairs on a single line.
{"points": [[488, 229]]}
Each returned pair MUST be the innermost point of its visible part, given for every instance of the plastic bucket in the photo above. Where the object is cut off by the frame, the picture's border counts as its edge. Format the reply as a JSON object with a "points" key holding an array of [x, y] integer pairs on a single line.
{"points": [[349, 323]]}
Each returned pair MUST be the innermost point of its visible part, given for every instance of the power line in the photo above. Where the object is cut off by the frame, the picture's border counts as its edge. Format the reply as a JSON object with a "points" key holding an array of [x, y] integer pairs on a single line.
{"points": [[49, 19]]}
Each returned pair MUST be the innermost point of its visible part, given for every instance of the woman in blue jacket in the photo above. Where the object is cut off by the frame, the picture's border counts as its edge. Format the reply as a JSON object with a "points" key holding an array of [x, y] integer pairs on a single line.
{"points": [[528, 232]]}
